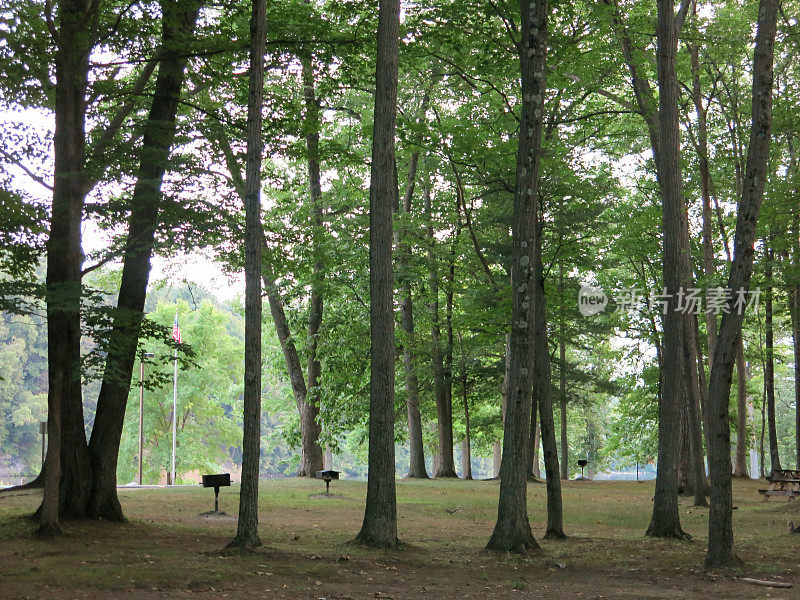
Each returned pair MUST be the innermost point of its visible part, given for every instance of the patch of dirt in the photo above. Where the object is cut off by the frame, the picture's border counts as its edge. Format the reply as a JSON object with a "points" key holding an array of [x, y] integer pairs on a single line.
{"points": [[324, 496], [218, 515]]}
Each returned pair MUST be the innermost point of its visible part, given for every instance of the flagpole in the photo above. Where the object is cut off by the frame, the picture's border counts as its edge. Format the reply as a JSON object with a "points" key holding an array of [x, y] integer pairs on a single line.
{"points": [[174, 414]]}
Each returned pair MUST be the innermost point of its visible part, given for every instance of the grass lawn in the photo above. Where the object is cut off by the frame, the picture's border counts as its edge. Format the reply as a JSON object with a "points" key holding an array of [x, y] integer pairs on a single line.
{"points": [[166, 550]]}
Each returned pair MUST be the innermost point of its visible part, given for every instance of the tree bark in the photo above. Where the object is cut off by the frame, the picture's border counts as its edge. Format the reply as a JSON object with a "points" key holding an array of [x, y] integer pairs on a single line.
{"points": [[512, 531], [591, 453], [534, 427], [562, 380], [720, 528], [49, 522], [466, 445], [445, 466], [794, 311], [247, 530], [497, 447], [310, 430], [692, 395], [66, 487], [536, 471], [543, 396], [702, 395], [291, 358], [769, 363], [740, 457], [709, 269], [663, 130], [380, 516], [416, 468], [685, 480], [178, 25], [311, 451], [665, 521], [448, 320], [309, 427]]}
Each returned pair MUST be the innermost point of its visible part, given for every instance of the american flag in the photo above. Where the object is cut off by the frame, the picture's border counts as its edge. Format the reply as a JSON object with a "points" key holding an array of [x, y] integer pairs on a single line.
{"points": [[176, 330]]}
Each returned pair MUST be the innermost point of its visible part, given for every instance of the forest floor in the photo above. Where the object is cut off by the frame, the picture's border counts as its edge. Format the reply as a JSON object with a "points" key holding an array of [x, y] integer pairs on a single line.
{"points": [[166, 550]]}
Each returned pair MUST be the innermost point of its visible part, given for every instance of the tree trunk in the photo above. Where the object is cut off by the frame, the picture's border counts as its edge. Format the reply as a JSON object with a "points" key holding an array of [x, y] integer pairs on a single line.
{"points": [[740, 457], [159, 131], [665, 521], [762, 472], [591, 454], [694, 428], [512, 531], [720, 527], [448, 320], [380, 516], [291, 358], [311, 458], [536, 471], [497, 447], [543, 396], [794, 311], [562, 379], [532, 438], [67, 488], [416, 468], [702, 395], [769, 364], [466, 444], [709, 269], [446, 464], [309, 427], [247, 530], [49, 523], [685, 481]]}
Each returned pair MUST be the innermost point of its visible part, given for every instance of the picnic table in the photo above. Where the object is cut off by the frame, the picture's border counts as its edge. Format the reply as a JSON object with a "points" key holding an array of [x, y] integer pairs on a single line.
{"points": [[783, 482]]}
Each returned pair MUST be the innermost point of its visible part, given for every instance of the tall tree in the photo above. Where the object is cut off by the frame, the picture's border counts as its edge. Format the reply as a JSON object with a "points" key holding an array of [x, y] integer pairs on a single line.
{"points": [[380, 515], [769, 360], [74, 36], [178, 23], [740, 455], [445, 465], [662, 124], [793, 300], [562, 378], [311, 456], [512, 530], [720, 527], [691, 412], [416, 466], [665, 521], [466, 444], [247, 529], [543, 390]]}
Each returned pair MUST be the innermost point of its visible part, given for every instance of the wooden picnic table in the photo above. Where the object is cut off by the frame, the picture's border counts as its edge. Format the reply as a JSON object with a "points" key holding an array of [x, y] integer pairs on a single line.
{"points": [[783, 482]]}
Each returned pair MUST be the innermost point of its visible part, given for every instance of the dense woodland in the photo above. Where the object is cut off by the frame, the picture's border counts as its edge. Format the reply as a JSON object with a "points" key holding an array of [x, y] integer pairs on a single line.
{"points": [[415, 193]]}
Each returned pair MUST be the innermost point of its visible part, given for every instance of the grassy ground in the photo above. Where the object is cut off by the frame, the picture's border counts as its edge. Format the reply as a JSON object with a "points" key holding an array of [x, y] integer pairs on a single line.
{"points": [[167, 551]]}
